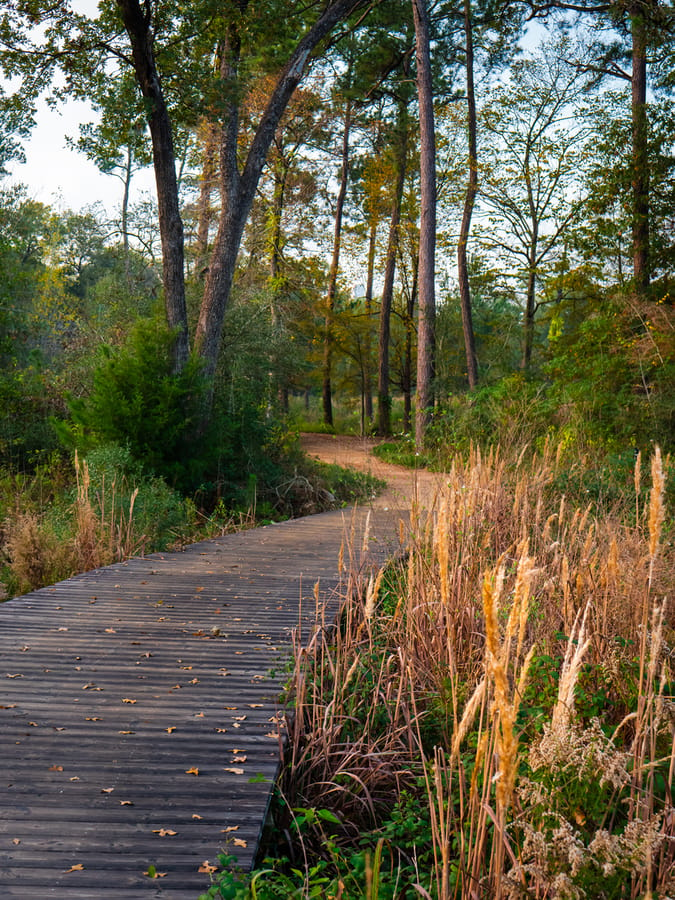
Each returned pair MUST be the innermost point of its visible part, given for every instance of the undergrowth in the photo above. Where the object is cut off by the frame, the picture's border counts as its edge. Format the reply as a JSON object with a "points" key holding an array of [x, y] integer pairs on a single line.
{"points": [[494, 717]]}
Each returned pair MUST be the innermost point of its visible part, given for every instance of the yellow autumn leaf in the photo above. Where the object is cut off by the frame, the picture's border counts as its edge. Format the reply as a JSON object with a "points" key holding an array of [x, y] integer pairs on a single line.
{"points": [[164, 832], [192, 771], [76, 868], [239, 843]]}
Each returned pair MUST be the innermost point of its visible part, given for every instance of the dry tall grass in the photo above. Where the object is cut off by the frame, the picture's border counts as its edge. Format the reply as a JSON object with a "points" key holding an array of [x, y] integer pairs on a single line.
{"points": [[427, 675]]}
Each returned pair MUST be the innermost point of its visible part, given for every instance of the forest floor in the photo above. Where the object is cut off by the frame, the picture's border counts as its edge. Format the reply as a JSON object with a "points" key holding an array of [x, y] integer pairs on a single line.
{"points": [[350, 451]]}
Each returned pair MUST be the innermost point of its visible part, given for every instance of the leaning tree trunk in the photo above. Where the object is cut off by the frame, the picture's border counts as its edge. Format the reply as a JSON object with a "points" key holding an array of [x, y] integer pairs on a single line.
{"points": [[427, 250], [383, 392], [469, 201], [238, 188], [640, 179], [333, 273], [138, 28]]}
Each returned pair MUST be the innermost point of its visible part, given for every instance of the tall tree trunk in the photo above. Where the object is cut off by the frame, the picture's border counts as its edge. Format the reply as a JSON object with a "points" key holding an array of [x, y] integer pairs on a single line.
{"points": [[368, 349], [333, 272], [469, 201], [530, 310], [125, 216], [383, 392], [427, 250], [207, 183], [138, 28], [640, 179]]}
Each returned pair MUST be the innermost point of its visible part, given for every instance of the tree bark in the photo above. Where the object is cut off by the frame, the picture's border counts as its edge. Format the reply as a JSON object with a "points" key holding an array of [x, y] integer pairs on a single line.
{"points": [[469, 201], [204, 208], [640, 179], [427, 249], [333, 272], [138, 27], [383, 392]]}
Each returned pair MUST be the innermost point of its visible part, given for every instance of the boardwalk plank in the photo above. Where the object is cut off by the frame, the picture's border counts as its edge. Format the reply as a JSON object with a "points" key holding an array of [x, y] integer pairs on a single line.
{"points": [[127, 693]]}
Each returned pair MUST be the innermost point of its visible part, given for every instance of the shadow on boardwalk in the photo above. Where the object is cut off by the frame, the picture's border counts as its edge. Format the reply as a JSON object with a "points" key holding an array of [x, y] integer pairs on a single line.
{"points": [[138, 709]]}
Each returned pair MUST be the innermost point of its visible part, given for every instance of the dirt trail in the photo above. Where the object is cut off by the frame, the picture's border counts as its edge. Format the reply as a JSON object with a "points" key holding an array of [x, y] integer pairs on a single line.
{"points": [[402, 484]]}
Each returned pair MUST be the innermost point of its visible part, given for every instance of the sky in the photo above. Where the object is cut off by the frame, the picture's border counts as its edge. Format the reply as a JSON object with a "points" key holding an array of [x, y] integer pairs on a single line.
{"points": [[62, 177]]}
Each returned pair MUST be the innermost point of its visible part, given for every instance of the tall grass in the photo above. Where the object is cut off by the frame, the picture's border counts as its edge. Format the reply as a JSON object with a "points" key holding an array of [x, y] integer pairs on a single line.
{"points": [[513, 677]]}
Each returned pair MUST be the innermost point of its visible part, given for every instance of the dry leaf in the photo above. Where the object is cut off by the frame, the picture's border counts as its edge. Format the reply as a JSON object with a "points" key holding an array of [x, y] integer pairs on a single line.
{"points": [[126, 802], [239, 843], [110, 631], [75, 778], [152, 872], [221, 730], [272, 734], [199, 715], [16, 841], [193, 771], [163, 832], [126, 732], [127, 700], [239, 759], [92, 718], [76, 868], [107, 790], [206, 868], [234, 770], [196, 816], [230, 828], [56, 768], [255, 705], [170, 729]]}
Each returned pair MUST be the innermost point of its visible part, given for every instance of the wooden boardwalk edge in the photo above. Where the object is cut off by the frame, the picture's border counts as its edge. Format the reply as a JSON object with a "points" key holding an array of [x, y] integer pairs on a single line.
{"points": [[138, 708]]}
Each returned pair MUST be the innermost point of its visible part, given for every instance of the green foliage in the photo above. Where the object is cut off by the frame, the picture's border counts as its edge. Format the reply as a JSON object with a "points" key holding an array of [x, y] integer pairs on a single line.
{"points": [[138, 402]]}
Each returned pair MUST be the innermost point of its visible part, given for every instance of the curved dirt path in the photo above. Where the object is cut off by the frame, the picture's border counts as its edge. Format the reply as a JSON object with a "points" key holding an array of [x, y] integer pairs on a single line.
{"points": [[403, 485]]}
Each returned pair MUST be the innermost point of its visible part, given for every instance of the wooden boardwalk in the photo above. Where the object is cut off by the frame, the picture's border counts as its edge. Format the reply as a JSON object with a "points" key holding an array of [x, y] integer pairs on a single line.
{"points": [[139, 706]]}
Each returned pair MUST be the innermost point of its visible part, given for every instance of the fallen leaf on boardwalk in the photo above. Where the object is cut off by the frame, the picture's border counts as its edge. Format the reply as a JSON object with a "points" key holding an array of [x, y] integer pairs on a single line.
{"points": [[23, 649], [75, 778], [76, 868], [62, 629], [239, 718], [230, 828], [194, 681], [199, 715], [235, 770], [126, 732], [221, 730], [127, 700], [196, 816], [34, 724], [163, 832], [206, 868], [255, 705], [107, 790], [56, 728], [90, 686], [110, 631], [126, 802], [193, 771], [16, 841], [240, 758], [18, 675], [199, 589], [239, 843], [272, 734], [236, 725], [230, 707], [11, 706], [170, 729], [92, 718], [56, 768], [186, 668]]}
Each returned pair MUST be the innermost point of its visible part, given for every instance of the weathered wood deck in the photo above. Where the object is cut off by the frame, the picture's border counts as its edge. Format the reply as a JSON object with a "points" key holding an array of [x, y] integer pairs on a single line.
{"points": [[138, 702]]}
